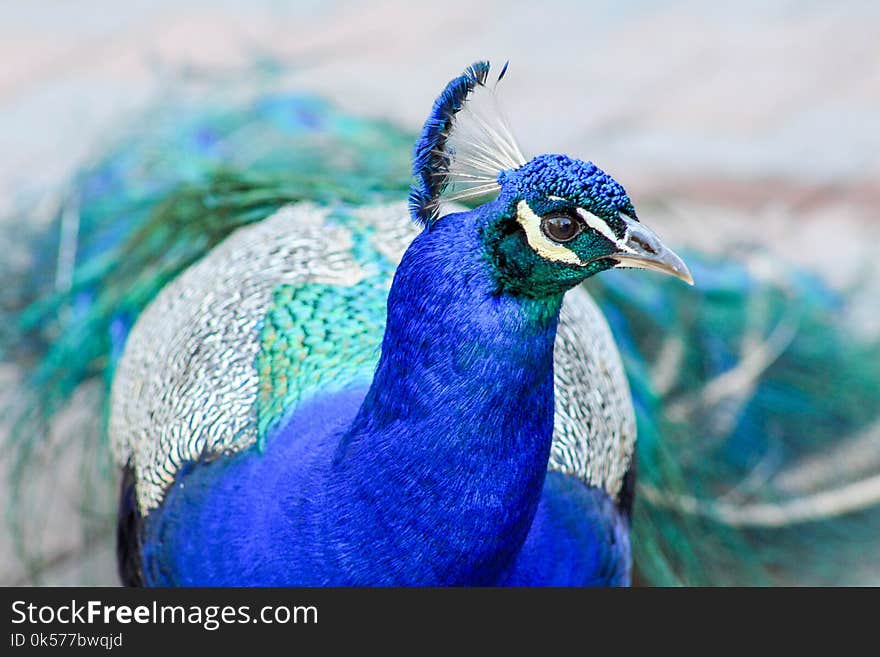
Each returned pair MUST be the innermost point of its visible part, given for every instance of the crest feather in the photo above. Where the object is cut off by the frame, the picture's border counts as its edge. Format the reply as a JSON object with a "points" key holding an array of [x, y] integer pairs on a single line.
{"points": [[465, 142]]}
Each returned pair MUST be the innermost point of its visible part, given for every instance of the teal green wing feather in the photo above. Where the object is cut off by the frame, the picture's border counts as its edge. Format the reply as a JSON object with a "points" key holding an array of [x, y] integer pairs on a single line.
{"points": [[327, 337], [317, 337], [277, 311]]}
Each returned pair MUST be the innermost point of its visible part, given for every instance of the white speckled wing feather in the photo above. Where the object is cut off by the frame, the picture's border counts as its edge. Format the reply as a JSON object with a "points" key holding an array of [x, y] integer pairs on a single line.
{"points": [[594, 429]]}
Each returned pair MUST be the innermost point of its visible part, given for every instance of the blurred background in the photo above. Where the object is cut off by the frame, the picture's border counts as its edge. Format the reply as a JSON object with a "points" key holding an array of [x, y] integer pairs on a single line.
{"points": [[749, 123]]}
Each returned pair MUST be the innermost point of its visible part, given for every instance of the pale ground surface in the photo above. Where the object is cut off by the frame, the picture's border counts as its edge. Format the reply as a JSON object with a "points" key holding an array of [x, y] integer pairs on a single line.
{"points": [[727, 124]]}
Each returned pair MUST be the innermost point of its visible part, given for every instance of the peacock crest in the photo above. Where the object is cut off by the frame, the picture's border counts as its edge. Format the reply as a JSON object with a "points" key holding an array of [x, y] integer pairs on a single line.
{"points": [[465, 144]]}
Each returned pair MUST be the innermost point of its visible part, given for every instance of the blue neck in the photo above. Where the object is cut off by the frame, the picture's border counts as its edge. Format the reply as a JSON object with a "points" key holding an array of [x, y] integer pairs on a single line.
{"points": [[442, 468]]}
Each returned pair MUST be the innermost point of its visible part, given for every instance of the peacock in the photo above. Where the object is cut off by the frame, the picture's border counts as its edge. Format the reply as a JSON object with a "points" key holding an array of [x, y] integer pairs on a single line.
{"points": [[308, 380]]}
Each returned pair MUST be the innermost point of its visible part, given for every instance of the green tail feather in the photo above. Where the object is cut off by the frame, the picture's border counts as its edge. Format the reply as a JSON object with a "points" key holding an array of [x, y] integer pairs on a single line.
{"points": [[144, 213], [719, 428], [739, 382]]}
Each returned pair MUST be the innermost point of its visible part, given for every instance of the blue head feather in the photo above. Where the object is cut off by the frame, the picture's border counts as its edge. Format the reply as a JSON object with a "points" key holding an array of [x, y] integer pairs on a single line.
{"points": [[580, 183], [430, 159]]}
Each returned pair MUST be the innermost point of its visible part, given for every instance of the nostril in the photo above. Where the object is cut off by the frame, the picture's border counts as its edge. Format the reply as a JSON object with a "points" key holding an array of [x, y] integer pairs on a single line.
{"points": [[643, 244]]}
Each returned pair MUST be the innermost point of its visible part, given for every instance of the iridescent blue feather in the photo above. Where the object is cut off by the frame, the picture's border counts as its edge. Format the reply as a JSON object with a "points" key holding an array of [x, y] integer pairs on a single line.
{"points": [[431, 159]]}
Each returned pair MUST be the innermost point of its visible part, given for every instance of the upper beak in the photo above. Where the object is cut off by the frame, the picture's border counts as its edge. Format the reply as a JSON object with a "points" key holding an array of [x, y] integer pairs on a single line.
{"points": [[642, 248]]}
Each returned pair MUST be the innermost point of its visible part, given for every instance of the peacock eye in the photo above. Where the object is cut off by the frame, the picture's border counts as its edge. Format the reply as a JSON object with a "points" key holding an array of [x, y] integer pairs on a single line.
{"points": [[560, 227]]}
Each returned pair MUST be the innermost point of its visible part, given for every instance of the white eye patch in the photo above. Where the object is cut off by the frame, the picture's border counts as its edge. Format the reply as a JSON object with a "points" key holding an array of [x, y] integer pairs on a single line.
{"points": [[543, 245], [598, 225]]}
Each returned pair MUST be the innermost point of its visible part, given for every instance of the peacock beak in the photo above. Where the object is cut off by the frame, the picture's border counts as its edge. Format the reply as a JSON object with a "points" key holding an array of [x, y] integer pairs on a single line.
{"points": [[642, 249]]}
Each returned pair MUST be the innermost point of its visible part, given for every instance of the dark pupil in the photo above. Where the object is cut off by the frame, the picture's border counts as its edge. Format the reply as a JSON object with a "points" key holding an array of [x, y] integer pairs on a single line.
{"points": [[560, 228]]}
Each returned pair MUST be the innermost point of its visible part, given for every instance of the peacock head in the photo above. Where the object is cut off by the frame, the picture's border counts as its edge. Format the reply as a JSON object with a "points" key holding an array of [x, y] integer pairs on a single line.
{"points": [[554, 221]]}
